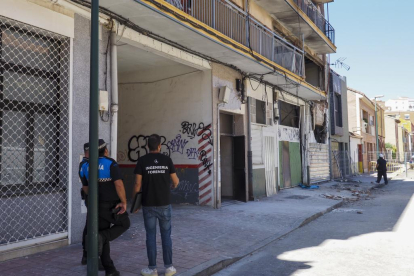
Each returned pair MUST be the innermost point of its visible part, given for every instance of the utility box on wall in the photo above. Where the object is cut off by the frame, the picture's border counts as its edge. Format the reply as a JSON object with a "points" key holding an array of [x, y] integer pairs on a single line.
{"points": [[103, 100], [224, 94]]}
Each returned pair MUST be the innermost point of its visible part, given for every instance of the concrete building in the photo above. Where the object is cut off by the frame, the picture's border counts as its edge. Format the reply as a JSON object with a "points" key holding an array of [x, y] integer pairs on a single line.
{"points": [[401, 104], [241, 111], [340, 137], [361, 119]]}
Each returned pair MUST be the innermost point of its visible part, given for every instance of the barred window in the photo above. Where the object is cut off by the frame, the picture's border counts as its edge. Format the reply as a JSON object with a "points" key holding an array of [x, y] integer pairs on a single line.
{"points": [[34, 131]]}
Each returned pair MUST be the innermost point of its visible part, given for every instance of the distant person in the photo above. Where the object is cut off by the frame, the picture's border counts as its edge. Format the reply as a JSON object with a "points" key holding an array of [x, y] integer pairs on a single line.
{"points": [[113, 219], [153, 173], [382, 169]]}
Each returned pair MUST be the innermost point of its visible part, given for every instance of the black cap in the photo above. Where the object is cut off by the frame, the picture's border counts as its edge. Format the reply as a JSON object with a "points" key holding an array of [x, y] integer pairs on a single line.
{"points": [[102, 144], [86, 146]]}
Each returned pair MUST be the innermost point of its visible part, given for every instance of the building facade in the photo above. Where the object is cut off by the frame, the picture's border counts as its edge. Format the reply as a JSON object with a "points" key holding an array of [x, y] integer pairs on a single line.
{"points": [[361, 115], [235, 89], [339, 131]]}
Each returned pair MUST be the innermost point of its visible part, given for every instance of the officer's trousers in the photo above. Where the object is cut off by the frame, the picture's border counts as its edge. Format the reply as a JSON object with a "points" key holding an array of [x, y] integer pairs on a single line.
{"points": [[120, 223]]}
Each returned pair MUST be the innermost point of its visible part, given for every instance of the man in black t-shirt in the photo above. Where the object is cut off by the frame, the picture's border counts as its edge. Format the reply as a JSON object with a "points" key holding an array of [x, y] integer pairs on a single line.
{"points": [[153, 173], [382, 169]]}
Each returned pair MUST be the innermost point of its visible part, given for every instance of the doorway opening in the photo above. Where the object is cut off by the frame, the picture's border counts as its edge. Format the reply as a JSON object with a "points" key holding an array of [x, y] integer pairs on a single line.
{"points": [[233, 160]]}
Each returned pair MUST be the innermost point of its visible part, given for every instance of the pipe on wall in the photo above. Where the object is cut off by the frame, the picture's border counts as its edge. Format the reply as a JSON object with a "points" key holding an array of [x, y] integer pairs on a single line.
{"points": [[249, 149], [114, 96]]}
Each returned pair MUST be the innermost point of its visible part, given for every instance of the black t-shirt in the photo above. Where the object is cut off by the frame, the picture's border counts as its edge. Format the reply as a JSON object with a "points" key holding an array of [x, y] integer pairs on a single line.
{"points": [[155, 169], [382, 164]]}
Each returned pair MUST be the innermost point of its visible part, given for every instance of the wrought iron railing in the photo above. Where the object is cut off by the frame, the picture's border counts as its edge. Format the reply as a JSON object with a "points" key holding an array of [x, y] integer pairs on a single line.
{"points": [[235, 23], [317, 17]]}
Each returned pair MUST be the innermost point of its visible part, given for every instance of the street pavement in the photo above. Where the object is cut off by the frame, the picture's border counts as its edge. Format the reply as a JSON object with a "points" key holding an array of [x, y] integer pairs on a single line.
{"points": [[365, 237], [204, 239]]}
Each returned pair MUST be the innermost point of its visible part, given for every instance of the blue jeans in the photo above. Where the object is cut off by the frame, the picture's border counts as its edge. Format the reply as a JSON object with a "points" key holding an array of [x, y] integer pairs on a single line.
{"points": [[163, 214]]}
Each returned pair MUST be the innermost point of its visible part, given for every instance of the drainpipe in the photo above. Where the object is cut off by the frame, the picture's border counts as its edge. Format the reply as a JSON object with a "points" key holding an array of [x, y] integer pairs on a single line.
{"points": [[114, 96], [80, 11], [249, 148]]}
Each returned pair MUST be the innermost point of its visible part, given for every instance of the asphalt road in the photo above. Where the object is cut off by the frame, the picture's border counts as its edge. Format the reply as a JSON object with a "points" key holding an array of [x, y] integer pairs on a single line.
{"points": [[368, 237]]}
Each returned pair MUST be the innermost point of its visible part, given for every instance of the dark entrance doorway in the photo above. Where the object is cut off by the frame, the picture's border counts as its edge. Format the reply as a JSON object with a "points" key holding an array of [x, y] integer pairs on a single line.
{"points": [[232, 154]]}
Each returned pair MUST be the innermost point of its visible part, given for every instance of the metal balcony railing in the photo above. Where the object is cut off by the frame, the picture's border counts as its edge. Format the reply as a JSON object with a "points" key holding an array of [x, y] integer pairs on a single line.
{"points": [[317, 17], [235, 23]]}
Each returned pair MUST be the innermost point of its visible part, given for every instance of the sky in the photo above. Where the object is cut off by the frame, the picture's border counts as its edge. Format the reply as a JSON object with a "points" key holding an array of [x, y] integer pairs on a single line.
{"points": [[377, 38]]}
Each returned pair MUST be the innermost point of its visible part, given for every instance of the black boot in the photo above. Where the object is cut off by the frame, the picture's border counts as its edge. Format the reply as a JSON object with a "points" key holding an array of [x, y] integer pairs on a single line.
{"points": [[114, 273], [84, 258]]}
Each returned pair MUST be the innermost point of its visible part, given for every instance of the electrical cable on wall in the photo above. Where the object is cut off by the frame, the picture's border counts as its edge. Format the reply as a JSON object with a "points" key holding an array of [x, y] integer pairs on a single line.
{"points": [[133, 26]]}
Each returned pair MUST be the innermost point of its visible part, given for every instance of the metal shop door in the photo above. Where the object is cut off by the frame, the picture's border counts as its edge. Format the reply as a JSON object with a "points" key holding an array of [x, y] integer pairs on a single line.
{"points": [[269, 161], [34, 134]]}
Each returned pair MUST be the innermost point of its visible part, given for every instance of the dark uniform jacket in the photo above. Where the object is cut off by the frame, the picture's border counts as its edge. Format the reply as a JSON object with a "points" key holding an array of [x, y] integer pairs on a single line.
{"points": [[108, 173]]}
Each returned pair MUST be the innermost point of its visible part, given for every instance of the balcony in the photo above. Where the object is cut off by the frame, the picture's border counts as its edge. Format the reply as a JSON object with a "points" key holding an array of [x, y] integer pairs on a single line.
{"points": [[217, 30], [304, 17], [232, 21], [317, 17]]}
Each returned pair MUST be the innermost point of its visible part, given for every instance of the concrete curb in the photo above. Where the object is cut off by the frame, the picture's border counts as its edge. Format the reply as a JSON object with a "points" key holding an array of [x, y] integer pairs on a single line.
{"points": [[217, 264]]}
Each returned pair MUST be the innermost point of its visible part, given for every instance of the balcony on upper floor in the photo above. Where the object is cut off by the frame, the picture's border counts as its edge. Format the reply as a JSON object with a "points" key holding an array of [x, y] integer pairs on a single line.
{"points": [[222, 32], [304, 17], [232, 21]]}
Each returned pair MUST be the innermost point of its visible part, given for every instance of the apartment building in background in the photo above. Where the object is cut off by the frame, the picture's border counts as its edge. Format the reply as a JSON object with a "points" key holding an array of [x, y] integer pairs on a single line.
{"points": [[400, 104]]}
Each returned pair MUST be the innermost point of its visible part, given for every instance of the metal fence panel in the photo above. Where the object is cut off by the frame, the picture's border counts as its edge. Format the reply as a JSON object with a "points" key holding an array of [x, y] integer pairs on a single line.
{"points": [[34, 132]]}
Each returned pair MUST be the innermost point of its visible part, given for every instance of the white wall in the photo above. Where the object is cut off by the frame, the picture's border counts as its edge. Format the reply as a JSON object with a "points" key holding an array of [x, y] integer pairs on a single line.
{"points": [[161, 107]]}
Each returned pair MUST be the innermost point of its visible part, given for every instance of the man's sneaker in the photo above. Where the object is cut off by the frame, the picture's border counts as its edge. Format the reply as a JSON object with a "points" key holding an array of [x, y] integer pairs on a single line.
{"points": [[100, 266], [149, 272], [170, 271]]}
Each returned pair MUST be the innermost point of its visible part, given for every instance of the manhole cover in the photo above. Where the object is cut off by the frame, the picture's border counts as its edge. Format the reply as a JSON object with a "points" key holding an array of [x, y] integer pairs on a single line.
{"points": [[297, 197]]}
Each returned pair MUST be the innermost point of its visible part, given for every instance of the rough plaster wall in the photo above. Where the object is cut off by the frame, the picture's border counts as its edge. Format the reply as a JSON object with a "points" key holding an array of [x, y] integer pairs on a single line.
{"points": [[80, 111], [161, 108]]}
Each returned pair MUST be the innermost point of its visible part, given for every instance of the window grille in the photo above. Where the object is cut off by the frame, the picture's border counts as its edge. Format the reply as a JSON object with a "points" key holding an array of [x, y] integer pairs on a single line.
{"points": [[34, 132]]}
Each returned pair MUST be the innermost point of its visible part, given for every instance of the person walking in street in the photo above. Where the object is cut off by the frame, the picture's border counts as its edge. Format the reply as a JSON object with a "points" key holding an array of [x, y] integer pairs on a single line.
{"points": [[113, 219], [382, 169], [153, 173]]}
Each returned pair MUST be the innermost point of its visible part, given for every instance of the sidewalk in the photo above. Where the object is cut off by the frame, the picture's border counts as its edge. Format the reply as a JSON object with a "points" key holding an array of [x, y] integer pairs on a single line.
{"points": [[204, 239]]}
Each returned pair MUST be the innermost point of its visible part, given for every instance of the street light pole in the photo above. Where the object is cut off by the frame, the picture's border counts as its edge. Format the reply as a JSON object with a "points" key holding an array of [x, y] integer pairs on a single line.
{"points": [[376, 123], [92, 227]]}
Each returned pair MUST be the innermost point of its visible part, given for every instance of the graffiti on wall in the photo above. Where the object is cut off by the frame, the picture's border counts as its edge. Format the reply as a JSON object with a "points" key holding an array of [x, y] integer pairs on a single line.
{"points": [[289, 134], [192, 153], [137, 147], [177, 144], [206, 161], [193, 130]]}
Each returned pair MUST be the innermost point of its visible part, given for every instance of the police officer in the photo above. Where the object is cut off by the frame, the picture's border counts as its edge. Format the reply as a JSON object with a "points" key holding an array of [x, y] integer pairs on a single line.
{"points": [[113, 219]]}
